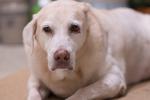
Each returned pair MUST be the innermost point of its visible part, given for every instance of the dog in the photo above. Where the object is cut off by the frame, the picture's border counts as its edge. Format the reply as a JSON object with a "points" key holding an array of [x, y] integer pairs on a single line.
{"points": [[78, 52]]}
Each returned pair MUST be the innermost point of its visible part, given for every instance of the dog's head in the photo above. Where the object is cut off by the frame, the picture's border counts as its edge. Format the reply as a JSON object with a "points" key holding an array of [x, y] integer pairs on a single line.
{"points": [[61, 29]]}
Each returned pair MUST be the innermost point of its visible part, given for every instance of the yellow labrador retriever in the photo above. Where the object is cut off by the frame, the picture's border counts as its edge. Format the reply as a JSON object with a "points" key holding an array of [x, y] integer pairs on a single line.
{"points": [[81, 53]]}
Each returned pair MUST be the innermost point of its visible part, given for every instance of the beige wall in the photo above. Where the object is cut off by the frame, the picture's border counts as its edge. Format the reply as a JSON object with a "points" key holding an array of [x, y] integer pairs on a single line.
{"points": [[116, 1], [107, 3]]}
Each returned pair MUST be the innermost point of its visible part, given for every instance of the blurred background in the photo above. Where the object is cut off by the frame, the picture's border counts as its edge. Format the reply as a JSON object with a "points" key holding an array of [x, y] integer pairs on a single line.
{"points": [[15, 14]]}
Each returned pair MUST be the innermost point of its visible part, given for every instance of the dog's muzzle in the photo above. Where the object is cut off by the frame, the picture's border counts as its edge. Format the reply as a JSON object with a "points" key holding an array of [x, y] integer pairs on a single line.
{"points": [[61, 60]]}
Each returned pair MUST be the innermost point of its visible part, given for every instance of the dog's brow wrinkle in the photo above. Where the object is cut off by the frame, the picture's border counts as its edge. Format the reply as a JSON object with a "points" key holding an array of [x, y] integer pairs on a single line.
{"points": [[76, 22], [46, 23]]}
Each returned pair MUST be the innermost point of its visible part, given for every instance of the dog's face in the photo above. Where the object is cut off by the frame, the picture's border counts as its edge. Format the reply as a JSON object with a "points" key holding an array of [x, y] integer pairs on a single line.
{"points": [[61, 32], [61, 29]]}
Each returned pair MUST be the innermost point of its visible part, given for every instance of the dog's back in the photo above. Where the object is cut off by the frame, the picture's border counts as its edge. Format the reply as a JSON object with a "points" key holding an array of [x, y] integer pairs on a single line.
{"points": [[129, 40]]}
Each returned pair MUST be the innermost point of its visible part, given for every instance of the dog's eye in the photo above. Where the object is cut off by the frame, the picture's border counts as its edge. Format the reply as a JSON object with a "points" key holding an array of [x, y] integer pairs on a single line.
{"points": [[47, 29], [74, 28]]}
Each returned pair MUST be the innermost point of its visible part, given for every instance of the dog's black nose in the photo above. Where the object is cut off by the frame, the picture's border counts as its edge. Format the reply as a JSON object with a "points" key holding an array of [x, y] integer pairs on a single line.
{"points": [[62, 55]]}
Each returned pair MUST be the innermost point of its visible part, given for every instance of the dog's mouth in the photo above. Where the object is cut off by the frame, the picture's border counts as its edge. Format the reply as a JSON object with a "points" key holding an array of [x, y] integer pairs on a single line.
{"points": [[61, 60], [62, 65]]}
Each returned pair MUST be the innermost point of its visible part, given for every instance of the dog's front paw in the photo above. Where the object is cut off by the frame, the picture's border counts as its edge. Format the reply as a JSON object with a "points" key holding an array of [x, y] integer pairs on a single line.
{"points": [[123, 90], [79, 95], [70, 99], [34, 95]]}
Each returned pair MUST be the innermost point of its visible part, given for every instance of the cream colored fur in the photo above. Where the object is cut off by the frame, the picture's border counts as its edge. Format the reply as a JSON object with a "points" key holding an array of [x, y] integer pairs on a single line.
{"points": [[112, 50]]}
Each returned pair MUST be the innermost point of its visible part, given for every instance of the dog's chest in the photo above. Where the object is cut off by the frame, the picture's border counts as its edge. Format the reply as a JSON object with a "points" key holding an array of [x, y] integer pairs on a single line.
{"points": [[64, 84]]}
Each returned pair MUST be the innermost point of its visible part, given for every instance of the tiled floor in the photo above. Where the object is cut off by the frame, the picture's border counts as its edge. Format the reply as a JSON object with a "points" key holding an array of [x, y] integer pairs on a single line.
{"points": [[12, 58]]}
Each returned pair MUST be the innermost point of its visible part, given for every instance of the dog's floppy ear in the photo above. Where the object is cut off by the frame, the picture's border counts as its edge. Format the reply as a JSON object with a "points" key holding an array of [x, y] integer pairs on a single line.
{"points": [[95, 27], [94, 24], [29, 32]]}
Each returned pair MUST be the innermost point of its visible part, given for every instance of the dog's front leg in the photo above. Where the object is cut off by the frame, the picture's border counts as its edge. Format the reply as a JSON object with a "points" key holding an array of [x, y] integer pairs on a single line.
{"points": [[111, 85], [35, 90]]}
